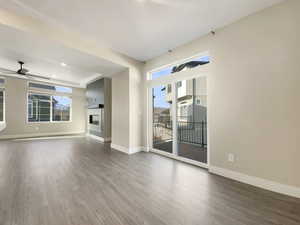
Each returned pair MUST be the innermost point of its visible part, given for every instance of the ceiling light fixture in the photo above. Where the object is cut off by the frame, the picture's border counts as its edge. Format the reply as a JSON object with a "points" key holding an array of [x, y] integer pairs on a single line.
{"points": [[63, 64]]}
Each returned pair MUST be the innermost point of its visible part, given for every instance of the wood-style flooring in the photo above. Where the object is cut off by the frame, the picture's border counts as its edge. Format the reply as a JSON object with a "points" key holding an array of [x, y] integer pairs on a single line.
{"points": [[82, 182]]}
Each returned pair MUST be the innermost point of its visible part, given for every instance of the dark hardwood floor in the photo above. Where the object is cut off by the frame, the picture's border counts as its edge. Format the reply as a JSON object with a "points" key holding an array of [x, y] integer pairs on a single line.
{"points": [[82, 182]]}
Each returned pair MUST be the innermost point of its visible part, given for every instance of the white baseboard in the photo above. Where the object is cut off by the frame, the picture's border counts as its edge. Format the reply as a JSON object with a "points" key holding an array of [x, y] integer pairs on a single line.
{"points": [[48, 138], [135, 150], [2, 126], [258, 182], [145, 149], [128, 151], [101, 139], [39, 135]]}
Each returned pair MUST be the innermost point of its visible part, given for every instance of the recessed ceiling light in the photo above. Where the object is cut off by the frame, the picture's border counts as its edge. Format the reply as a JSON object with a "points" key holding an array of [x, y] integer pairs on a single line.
{"points": [[63, 64]]}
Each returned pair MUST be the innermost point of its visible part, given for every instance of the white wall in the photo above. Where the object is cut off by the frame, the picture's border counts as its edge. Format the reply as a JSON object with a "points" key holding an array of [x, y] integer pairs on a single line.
{"points": [[107, 105], [253, 92], [120, 110], [136, 108], [16, 112], [84, 44]]}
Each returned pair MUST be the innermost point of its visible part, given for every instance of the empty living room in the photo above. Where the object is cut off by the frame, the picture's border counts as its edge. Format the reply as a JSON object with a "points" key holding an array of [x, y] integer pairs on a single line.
{"points": [[149, 112]]}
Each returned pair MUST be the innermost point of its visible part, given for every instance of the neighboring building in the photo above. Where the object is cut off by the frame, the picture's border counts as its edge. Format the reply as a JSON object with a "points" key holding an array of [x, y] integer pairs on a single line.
{"points": [[191, 99]]}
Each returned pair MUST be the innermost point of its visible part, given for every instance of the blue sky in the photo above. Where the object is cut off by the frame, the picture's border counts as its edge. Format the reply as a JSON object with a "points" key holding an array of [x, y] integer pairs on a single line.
{"points": [[159, 100], [168, 70], [62, 100]]}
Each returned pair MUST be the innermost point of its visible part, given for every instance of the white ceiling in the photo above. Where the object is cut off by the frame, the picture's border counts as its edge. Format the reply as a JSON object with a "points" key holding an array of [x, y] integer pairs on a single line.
{"points": [[44, 57], [141, 29]]}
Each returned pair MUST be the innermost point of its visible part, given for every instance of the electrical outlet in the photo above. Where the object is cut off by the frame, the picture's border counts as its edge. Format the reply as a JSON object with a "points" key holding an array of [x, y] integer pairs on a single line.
{"points": [[231, 157]]}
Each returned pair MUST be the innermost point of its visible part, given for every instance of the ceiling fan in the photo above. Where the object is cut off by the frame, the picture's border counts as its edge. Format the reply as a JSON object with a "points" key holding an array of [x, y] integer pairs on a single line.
{"points": [[22, 72]]}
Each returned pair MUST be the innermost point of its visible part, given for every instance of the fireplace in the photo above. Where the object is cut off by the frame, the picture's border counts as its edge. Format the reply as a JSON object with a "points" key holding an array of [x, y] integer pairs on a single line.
{"points": [[94, 119]]}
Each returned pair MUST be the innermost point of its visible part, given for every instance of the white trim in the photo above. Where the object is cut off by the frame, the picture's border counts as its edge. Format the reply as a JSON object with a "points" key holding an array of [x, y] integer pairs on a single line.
{"points": [[174, 121], [101, 139], [201, 71], [32, 135], [182, 159], [92, 79], [2, 126], [128, 151], [4, 108], [119, 148], [49, 138], [184, 75], [135, 150], [256, 181], [145, 149]]}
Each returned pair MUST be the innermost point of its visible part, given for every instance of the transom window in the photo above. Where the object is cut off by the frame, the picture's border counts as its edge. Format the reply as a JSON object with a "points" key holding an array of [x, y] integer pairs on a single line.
{"points": [[190, 64], [47, 87]]}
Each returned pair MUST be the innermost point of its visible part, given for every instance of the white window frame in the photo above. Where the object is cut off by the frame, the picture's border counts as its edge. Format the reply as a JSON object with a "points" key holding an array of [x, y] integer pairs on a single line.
{"points": [[70, 120], [4, 114], [175, 63], [49, 91], [51, 108], [4, 100], [201, 71], [30, 102]]}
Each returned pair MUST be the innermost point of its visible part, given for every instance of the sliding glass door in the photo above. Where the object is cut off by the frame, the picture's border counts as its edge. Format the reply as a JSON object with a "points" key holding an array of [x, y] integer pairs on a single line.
{"points": [[191, 119], [179, 119]]}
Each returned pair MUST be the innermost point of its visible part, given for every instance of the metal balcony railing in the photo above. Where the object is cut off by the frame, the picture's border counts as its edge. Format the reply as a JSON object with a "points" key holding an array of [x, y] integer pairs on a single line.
{"points": [[187, 132]]}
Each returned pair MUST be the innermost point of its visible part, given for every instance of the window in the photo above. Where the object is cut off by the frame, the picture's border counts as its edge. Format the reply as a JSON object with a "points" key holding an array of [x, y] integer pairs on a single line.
{"points": [[61, 108], [46, 108], [53, 88], [2, 100], [1, 105], [189, 64], [49, 103], [39, 108]]}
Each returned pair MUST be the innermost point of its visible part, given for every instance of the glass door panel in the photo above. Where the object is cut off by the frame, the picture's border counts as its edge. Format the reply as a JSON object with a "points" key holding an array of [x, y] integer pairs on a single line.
{"points": [[191, 119], [162, 118]]}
